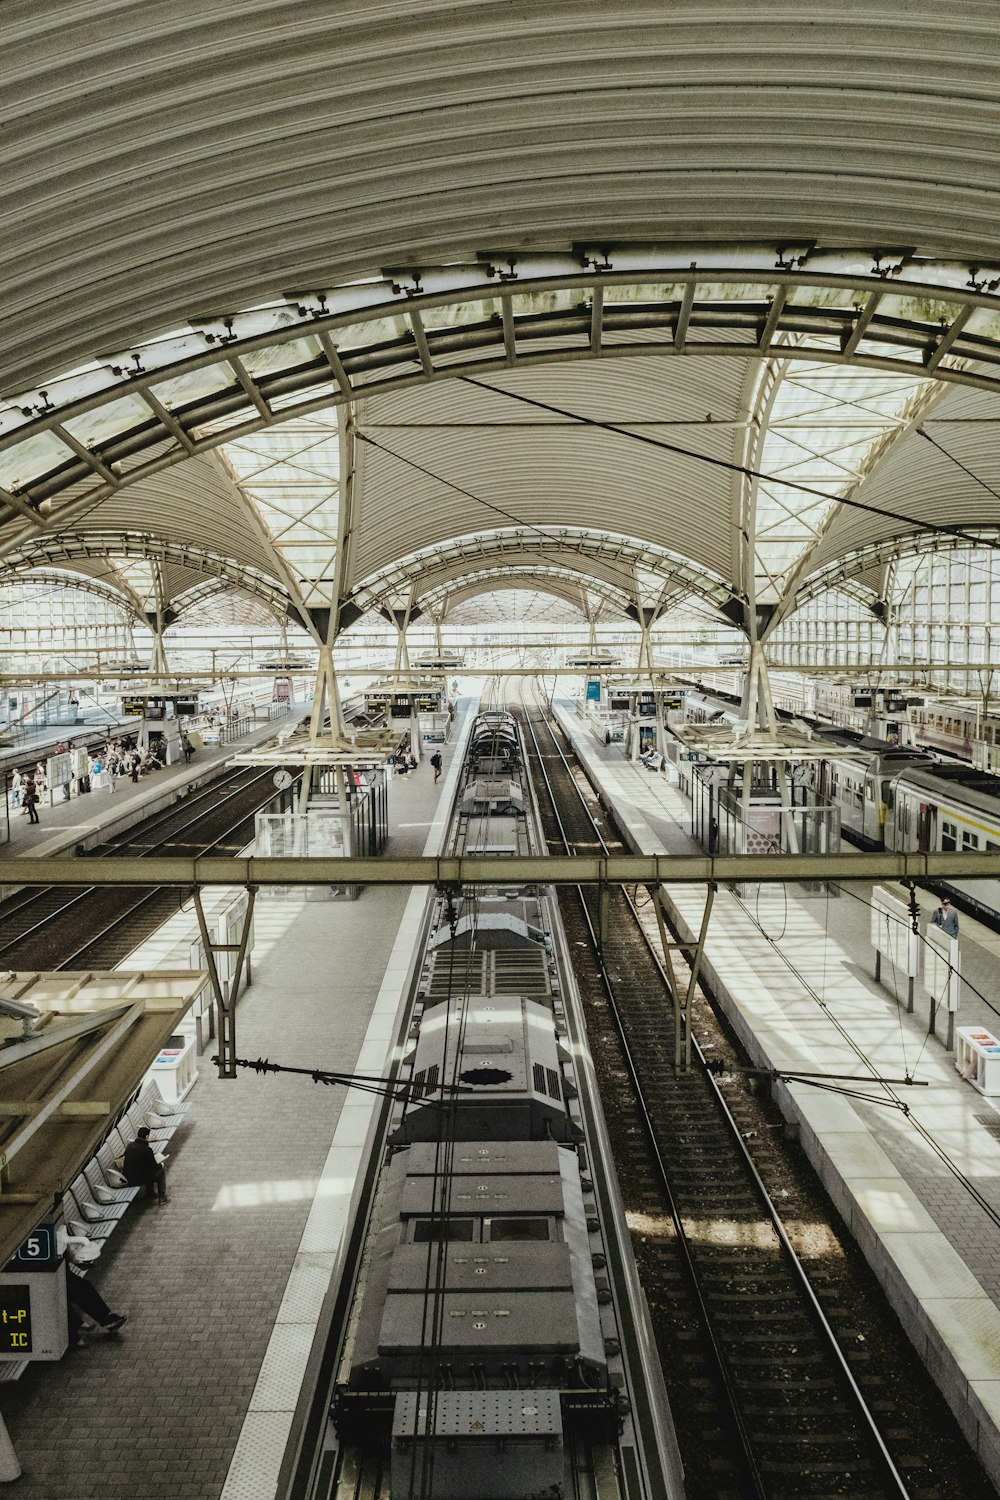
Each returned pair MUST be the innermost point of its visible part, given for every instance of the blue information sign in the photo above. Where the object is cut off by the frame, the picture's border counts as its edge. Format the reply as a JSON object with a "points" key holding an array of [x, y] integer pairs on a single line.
{"points": [[594, 690]]}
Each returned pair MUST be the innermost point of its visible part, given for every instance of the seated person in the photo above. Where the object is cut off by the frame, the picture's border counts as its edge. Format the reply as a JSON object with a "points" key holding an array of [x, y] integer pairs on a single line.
{"points": [[143, 1168]]}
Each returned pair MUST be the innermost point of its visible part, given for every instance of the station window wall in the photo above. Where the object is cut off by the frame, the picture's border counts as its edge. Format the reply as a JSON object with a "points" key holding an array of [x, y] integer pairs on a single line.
{"points": [[946, 608], [834, 627], [41, 624]]}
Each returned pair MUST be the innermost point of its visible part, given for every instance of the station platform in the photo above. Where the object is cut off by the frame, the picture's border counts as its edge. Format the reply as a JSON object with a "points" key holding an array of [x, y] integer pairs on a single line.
{"points": [[920, 1191], [97, 815], [19, 746], [223, 1286]]}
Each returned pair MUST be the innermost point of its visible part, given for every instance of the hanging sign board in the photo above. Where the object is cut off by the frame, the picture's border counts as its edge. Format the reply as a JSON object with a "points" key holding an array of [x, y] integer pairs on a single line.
{"points": [[891, 933], [594, 690], [942, 975]]}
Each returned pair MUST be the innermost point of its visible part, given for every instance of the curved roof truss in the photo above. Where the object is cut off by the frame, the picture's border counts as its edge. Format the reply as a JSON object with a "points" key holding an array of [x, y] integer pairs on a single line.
{"points": [[842, 572], [69, 548], [77, 583], [596, 559], [563, 583], [131, 414]]}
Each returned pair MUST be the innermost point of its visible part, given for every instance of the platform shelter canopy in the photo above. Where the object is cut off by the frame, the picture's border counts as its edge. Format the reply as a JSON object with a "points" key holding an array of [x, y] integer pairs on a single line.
{"points": [[68, 1069]]}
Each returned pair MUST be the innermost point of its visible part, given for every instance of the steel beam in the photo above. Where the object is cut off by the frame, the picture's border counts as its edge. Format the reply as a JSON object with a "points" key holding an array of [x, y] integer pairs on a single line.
{"points": [[897, 674], [497, 869]]}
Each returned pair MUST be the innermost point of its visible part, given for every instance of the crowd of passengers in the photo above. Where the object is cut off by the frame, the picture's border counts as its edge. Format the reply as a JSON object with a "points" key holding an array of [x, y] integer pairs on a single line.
{"points": [[105, 767]]}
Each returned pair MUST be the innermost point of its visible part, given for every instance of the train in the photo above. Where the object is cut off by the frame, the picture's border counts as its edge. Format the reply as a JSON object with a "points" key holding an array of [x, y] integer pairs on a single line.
{"points": [[902, 799], [483, 1354]]}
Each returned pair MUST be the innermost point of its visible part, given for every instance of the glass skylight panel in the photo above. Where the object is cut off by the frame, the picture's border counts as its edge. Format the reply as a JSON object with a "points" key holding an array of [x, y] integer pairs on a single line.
{"points": [[460, 314], [562, 299], [375, 331], [644, 291], [207, 380], [288, 356], [290, 474], [95, 427], [824, 424], [138, 574], [26, 461]]}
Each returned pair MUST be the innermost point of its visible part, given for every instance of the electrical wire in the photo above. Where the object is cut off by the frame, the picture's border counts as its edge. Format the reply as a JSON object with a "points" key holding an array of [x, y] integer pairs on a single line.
{"points": [[508, 515], [732, 467]]}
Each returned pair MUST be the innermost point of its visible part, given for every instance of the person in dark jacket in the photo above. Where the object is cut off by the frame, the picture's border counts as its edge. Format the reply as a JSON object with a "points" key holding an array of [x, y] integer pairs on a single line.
{"points": [[30, 798], [143, 1170], [84, 1301]]}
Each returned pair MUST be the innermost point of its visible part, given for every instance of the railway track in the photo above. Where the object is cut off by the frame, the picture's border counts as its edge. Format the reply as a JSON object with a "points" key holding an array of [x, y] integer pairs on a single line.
{"points": [[91, 927], [774, 1360]]}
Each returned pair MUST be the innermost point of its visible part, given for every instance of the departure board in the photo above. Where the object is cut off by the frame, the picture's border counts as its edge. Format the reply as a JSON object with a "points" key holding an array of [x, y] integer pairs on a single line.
{"points": [[15, 1320]]}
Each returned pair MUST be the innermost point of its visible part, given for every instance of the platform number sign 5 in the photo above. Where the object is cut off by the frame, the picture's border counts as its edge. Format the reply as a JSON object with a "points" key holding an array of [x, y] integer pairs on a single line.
{"points": [[15, 1320], [38, 1250]]}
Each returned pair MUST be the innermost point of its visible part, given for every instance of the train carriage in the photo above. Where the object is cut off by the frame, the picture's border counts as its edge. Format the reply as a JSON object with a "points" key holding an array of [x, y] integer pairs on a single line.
{"points": [[482, 1355]]}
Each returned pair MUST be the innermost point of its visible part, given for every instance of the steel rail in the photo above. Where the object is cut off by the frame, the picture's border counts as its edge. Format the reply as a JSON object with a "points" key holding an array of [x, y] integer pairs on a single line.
{"points": [[683, 1242], [771, 1209], [90, 885], [123, 918]]}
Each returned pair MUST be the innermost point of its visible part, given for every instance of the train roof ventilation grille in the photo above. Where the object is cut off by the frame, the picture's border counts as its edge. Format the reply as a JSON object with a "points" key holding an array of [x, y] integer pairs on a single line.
{"points": [[519, 972]]}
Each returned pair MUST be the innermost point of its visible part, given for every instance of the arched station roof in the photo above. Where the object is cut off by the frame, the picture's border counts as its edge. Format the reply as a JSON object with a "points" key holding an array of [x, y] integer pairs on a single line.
{"points": [[759, 244]]}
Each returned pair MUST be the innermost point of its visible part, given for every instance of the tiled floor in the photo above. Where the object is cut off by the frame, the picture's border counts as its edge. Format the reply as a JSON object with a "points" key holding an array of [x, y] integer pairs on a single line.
{"points": [[154, 1413]]}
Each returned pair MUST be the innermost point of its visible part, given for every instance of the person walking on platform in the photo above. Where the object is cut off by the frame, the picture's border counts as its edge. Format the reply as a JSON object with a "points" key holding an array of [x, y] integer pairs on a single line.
{"points": [[436, 763], [142, 1168], [946, 919], [31, 799]]}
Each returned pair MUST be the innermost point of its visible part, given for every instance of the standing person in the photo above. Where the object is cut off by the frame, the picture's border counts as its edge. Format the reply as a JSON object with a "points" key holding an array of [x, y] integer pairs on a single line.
{"points": [[136, 765], [16, 788], [31, 799], [436, 763], [142, 1168], [111, 766], [945, 918], [187, 747]]}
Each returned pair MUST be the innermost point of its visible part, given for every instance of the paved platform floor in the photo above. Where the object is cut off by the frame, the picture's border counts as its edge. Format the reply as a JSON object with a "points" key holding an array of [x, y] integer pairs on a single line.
{"points": [[156, 1411], [921, 1191], [65, 823]]}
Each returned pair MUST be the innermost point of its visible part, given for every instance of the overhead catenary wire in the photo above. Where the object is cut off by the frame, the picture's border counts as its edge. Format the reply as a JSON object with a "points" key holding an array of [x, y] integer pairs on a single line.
{"points": [[733, 467], [545, 533]]}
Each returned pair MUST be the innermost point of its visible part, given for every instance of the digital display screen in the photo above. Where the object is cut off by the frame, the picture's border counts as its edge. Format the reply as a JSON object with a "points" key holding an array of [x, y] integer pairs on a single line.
{"points": [[143, 708], [15, 1320]]}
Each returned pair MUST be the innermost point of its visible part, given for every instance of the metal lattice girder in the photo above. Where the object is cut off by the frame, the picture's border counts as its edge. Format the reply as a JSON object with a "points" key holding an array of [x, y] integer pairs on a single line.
{"points": [[553, 869]]}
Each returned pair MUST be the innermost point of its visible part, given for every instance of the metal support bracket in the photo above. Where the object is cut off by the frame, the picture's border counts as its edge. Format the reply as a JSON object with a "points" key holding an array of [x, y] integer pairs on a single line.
{"points": [[225, 992]]}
